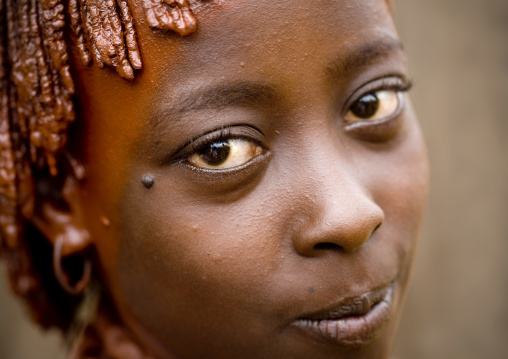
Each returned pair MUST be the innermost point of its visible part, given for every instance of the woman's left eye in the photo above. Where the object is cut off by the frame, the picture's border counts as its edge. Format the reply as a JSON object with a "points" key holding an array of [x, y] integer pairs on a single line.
{"points": [[375, 106], [225, 154]]}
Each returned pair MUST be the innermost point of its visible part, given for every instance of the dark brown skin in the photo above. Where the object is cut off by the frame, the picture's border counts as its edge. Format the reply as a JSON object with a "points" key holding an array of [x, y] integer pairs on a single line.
{"points": [[220, 263]]}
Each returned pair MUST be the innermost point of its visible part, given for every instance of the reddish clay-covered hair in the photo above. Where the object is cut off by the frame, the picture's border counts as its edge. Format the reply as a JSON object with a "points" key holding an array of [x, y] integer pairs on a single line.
{"points": [[36, 109]]}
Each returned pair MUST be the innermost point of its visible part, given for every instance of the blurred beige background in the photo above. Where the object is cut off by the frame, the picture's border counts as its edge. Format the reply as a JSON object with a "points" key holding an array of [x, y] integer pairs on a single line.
{"points": [[458, 303], [457, 307]]}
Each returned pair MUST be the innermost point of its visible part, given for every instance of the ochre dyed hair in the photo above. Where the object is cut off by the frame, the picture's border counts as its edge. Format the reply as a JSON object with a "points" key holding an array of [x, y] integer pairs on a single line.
{"points": [[37, 107]]}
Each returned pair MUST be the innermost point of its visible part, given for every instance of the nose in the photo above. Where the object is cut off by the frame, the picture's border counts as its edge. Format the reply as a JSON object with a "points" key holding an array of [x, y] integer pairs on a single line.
{"points": [[340, 214]]}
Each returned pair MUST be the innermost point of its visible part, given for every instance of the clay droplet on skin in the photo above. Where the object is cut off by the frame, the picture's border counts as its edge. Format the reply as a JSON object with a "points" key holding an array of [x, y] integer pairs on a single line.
{"points": [[147, 181], [105, 221]]}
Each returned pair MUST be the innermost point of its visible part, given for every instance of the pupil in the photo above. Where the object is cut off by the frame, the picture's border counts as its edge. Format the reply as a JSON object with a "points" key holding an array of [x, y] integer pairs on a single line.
{"points": [[366, 106], [215, 153]]}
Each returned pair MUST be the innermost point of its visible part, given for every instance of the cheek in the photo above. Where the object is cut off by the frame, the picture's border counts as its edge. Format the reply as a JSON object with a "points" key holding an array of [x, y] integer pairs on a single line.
{"points": [[181, 239], [195, 257], [202, 276], [400, 188]]}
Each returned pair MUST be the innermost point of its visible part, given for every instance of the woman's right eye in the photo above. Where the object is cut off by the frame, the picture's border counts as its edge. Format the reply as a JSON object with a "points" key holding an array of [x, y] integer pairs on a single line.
{"points": [[225, 154]]}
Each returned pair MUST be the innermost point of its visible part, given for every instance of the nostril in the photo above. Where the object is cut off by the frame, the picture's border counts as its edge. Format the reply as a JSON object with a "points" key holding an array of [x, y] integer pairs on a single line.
{"points": [[338, 229], [328, 246]]}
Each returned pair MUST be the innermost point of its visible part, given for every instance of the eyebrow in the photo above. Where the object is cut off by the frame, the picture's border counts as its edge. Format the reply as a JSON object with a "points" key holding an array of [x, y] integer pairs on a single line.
{"points": [[252, 93], [215, 97], [363, 55]]}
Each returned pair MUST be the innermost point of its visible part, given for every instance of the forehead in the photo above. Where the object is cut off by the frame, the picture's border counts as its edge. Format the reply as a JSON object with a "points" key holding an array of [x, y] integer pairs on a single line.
{"points": [[232, 33]]}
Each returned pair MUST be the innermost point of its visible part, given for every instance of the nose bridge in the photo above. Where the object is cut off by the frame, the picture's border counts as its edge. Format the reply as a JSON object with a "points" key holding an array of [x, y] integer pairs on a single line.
{"points": [[337, 209]]}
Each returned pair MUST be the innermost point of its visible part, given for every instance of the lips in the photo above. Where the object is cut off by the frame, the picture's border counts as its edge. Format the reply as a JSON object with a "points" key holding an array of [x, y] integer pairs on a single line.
{"points": [[353, 322]]}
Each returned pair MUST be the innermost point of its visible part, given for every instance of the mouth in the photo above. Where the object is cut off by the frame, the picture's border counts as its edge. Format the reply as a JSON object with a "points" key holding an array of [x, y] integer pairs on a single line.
{"points": [[352, 322]]}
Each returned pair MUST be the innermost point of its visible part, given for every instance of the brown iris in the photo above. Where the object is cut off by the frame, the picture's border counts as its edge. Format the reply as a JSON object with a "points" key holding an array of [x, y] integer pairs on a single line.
{"points": [[366, 106], [215, 153]]}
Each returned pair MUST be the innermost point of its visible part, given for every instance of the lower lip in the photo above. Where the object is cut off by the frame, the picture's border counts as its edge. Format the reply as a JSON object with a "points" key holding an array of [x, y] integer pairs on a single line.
{"points": [[351, 331]]}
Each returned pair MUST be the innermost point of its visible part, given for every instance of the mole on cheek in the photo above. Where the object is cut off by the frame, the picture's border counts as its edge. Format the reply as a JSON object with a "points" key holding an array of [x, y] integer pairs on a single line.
{"points": [[147, 181]]}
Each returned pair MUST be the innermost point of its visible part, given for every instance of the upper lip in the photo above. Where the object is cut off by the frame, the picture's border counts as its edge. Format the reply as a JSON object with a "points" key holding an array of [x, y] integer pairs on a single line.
{"points": [[353, 306]]}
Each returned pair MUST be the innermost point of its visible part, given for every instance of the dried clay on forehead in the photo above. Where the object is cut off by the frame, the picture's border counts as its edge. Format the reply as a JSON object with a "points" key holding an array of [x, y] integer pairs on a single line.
{"points": [[109, 26], [36, 98]]}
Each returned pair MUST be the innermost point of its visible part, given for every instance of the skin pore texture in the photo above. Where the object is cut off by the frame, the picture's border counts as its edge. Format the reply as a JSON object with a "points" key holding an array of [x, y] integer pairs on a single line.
{"points": [[237, 202]]}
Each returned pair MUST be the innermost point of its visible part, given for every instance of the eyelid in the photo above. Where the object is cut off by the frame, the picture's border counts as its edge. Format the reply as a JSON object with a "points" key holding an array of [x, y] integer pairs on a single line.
{"points": [[369, 123], [384, 129], [246, 132], [393, 82]]}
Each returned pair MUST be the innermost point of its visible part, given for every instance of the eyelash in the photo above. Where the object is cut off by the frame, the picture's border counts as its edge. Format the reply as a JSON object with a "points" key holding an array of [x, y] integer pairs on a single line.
{"points": [[222, 134], [387, 83]]}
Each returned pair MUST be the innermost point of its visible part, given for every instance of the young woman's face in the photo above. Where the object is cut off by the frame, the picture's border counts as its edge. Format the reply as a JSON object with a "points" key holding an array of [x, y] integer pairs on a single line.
{"points": [[289, 181]]}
